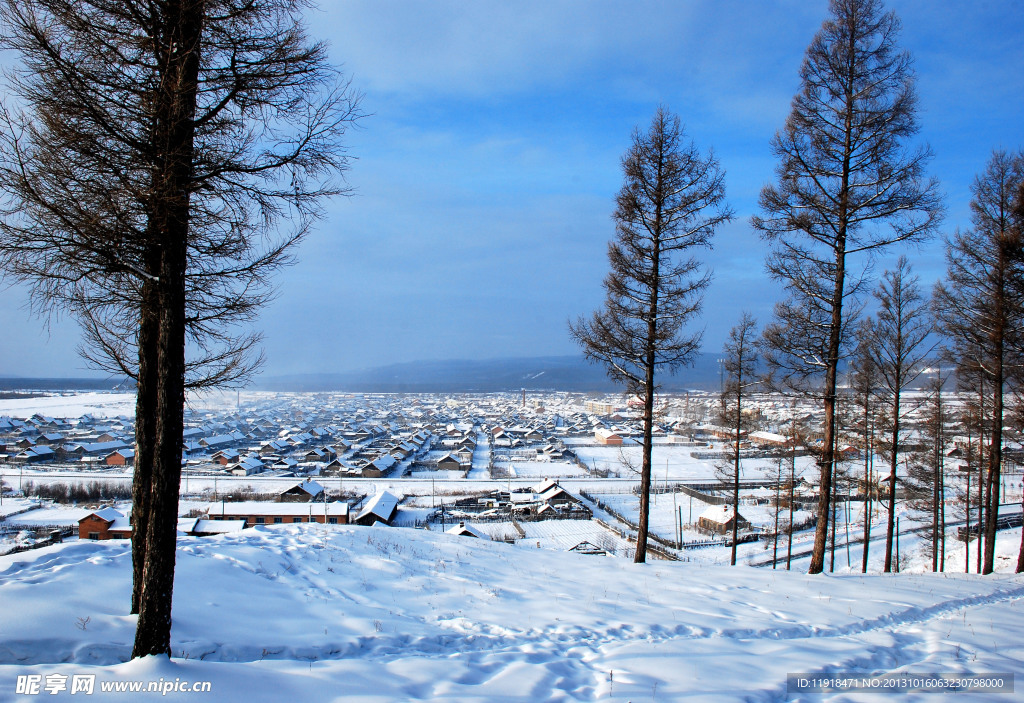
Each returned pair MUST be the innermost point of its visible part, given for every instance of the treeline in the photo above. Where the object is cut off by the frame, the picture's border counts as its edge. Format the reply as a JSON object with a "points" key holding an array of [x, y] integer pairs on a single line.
{"points": [[91, 492]]}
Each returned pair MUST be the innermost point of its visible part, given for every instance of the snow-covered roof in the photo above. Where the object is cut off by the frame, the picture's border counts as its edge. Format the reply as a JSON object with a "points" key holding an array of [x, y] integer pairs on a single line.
{"points": [[217, 526], [257, 507], [108, 513], [309, 486], [467, 531], [380, 505], [718, 513]]}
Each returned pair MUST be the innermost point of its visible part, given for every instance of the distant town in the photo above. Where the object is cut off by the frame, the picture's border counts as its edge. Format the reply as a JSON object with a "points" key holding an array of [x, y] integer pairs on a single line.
{"points": [[556, 470]]}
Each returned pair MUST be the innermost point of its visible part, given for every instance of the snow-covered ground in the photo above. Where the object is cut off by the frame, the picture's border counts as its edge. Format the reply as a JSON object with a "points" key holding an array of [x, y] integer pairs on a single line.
{"points": [[72, 405], [672, 462], [543, 469], [383, 614]]}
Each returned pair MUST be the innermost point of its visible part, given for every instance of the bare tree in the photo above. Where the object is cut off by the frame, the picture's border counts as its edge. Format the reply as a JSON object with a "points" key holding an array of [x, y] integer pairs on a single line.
{"points": [[927, 469], [981, 306], [796, 436], [164, 160], [864, 383], [669, 206], [898, 345], [846, 186], [740, 365]]}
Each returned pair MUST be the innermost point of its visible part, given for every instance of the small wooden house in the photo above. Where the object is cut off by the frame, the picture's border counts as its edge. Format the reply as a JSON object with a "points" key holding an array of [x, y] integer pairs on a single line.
{"points": [[308, 491], [380, 508], [121, 457], [606, 436], [449, 463], [720, 518], [107, 523], [464, 530]]}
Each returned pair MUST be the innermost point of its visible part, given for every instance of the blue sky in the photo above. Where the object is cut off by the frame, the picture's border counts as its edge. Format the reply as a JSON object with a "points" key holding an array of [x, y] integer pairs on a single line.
{"points": [[486, 166]]}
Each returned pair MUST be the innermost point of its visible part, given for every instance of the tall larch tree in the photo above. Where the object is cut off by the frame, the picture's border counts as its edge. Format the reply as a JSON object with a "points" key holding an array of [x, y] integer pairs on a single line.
{"points": [[162, 160], [671, 202], [981, 309], [847, 187]]}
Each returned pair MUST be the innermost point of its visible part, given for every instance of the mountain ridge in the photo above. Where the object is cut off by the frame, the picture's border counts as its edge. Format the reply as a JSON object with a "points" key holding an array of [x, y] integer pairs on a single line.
{"points": [[558, 373]]}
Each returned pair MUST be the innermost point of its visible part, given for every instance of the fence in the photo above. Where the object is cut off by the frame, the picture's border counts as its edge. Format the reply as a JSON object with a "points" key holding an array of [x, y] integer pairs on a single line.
{"points": [[447, 516], [56, 536], [655, 543], [1003, 522], [705, 497]]}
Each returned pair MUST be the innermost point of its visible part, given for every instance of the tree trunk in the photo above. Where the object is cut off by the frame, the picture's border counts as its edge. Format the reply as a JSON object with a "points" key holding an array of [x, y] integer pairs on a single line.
{"points": [[981, 472], [868, 451], [1020, 552], [995, 454], [640, 556], [893, 465], [145, 427], [736, 464], [792, 490], [828, 442], [175, 133]]}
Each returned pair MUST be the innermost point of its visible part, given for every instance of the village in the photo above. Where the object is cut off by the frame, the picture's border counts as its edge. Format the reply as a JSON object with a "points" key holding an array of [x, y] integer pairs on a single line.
{"points": [[553, 470]]}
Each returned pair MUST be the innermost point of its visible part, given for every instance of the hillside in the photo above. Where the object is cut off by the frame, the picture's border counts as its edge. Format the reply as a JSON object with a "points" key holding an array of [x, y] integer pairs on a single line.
{"points": [[379, 614]]}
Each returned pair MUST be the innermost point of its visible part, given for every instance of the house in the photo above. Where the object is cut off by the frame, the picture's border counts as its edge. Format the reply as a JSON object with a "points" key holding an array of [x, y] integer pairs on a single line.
{"points": [[464, 530], [33, 454], [551, 493], [277, 446], [379, 466], [285, 465], [96, 449], [306, 492], [318, 455], [770, 439], [380, 508], [449, 462], [339, 468], [218, 442], [121, 457], [107, 523], [50, 438], [719, 519], [247, 466], [606, 436], [226, 456]]}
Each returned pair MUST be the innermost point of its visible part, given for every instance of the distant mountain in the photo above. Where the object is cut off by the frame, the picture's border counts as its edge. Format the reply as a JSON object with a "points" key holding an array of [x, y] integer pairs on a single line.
{"points": [[64, 384], [560, 373]]}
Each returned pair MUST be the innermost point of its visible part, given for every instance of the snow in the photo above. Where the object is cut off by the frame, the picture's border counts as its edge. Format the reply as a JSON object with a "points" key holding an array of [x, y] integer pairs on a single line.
{"points": [[533, 469], [381, 614], [70, 406], [671, 462]]}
